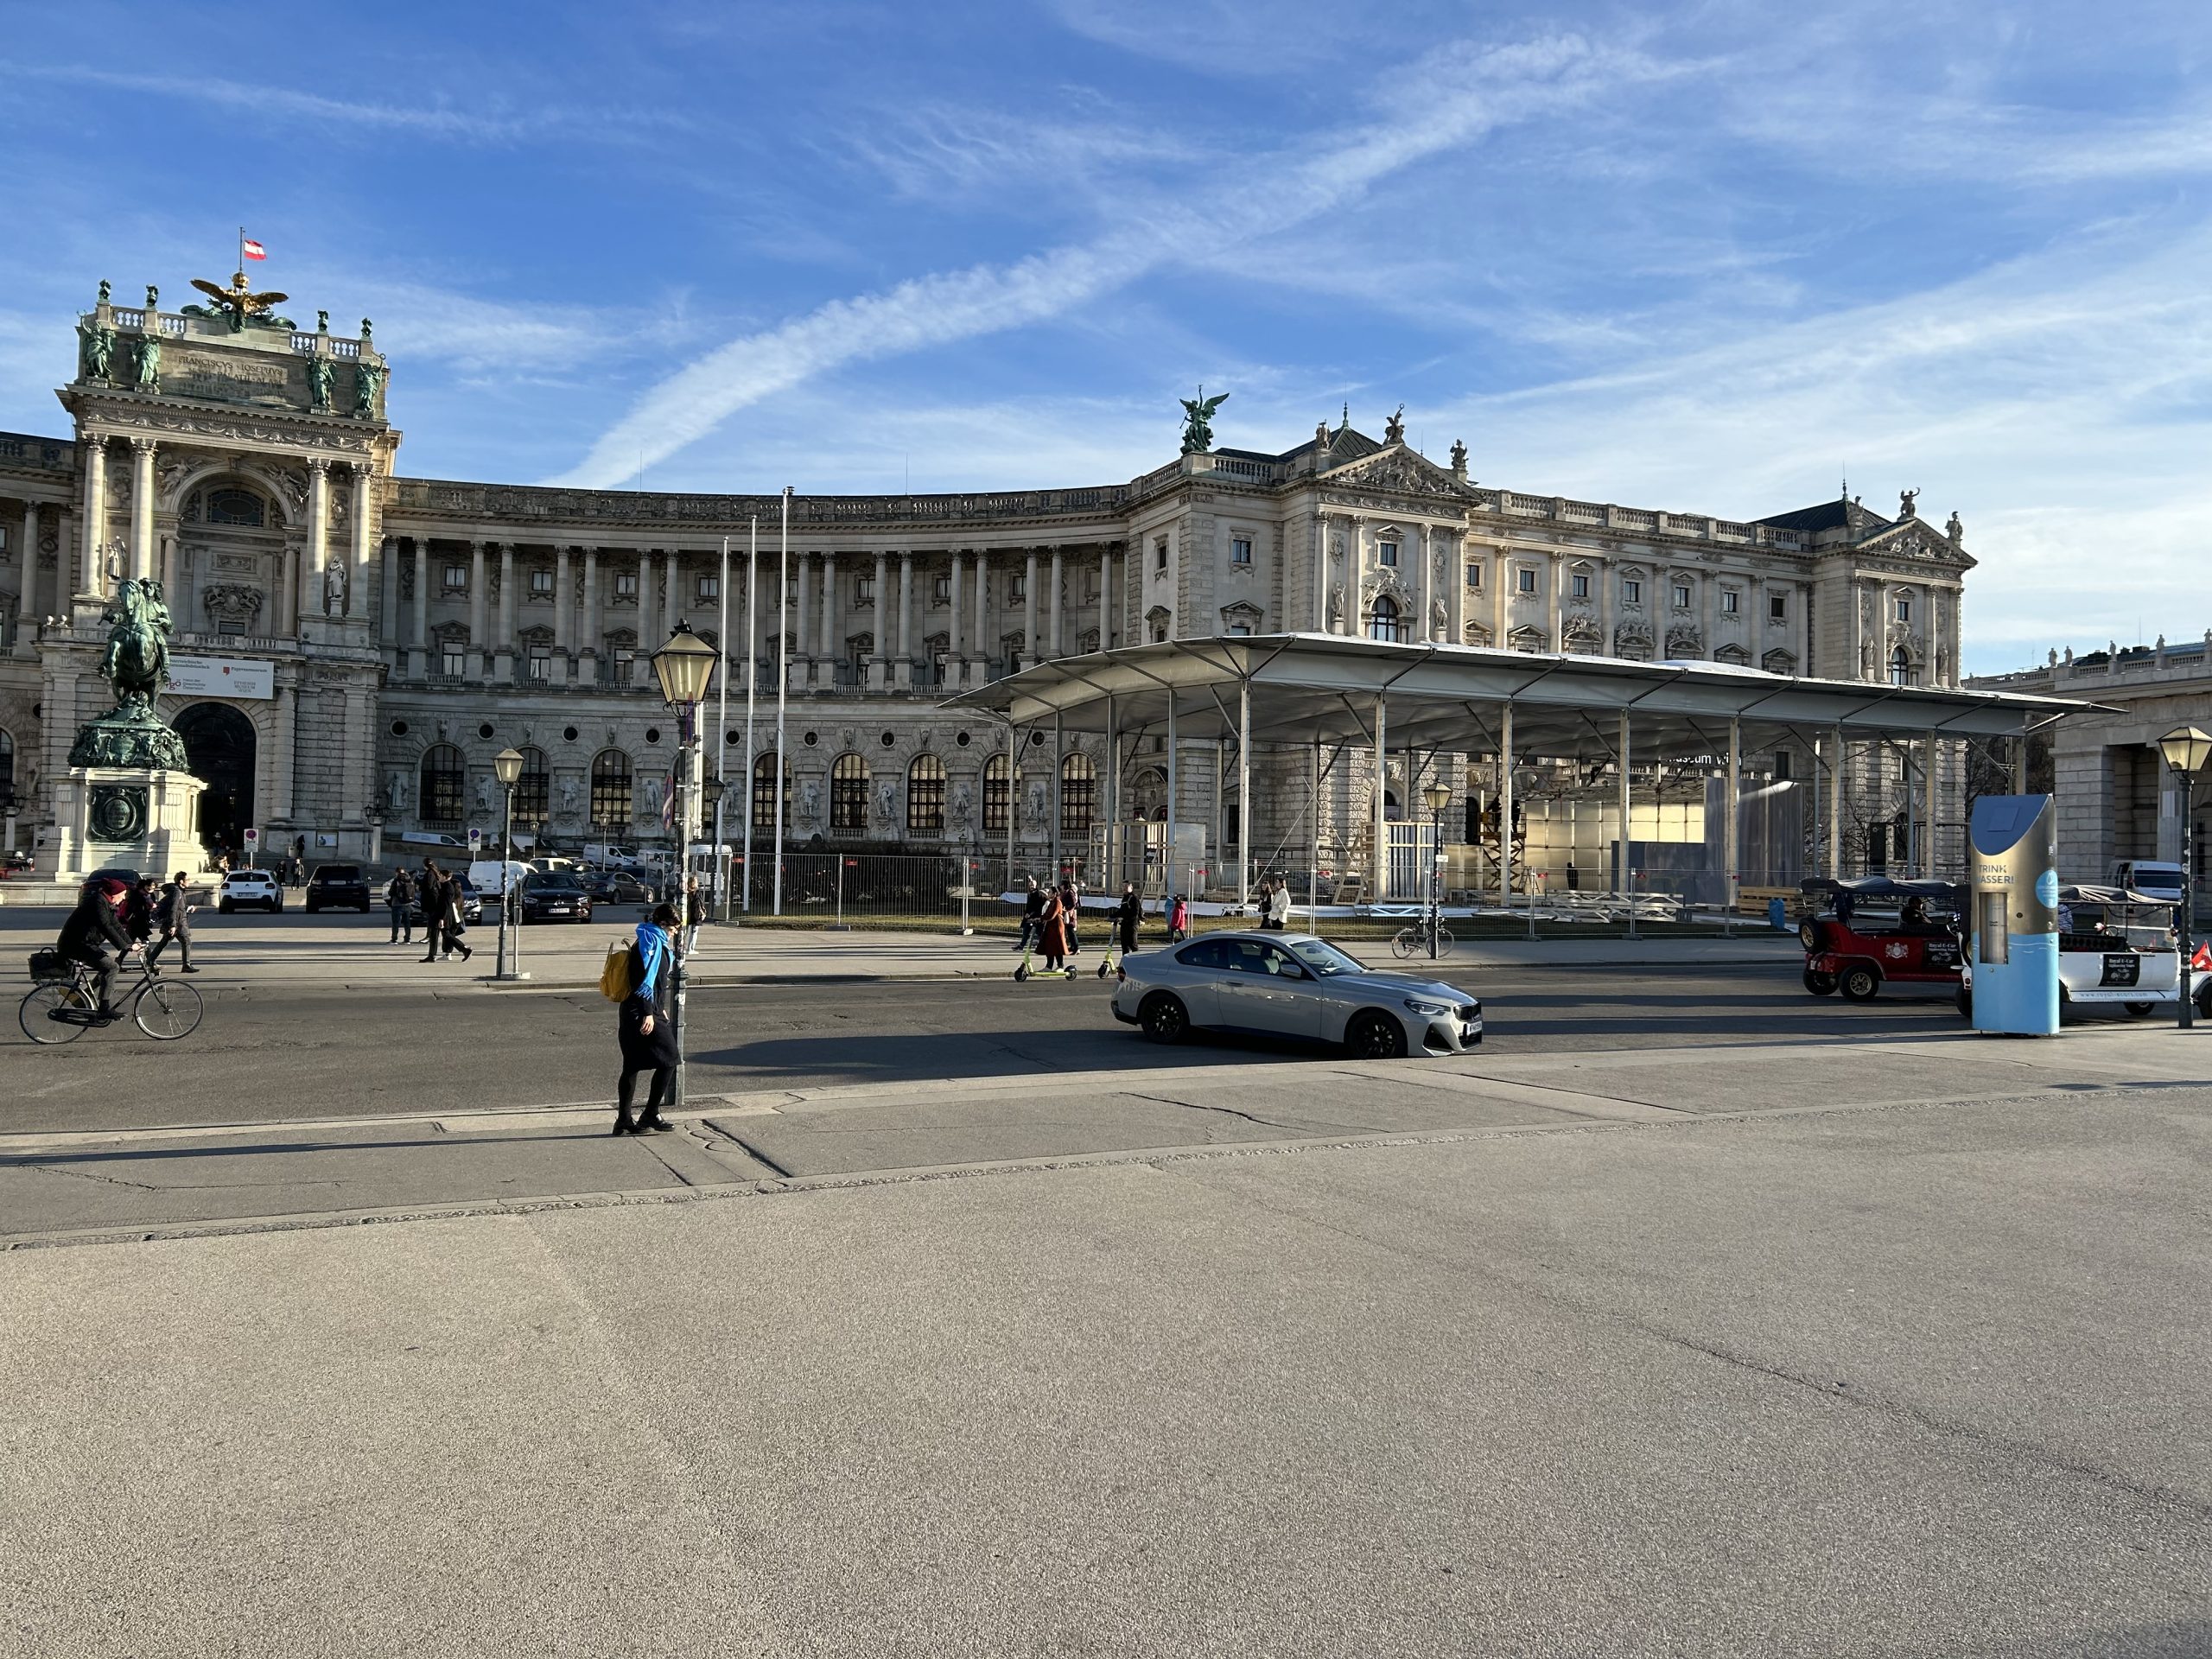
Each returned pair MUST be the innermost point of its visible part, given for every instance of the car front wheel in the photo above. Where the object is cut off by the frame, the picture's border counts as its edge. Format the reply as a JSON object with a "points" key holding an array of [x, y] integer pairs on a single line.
{"points": [[1164, 1018], [1372, 1036], [1818, 983], [1860, 984]]}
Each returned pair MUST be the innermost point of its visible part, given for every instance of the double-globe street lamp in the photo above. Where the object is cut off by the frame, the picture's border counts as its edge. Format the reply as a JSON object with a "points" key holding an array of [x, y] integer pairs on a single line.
{"points": [[2185, 750], [507, 764], [685, 667]]}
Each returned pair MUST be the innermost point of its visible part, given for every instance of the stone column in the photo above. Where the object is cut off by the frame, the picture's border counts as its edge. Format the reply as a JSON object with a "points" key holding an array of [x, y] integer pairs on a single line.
{"points": [[1106, 597], [906, 619], [1501, 599], [287, 612], [280, 756], [357, 578], [1554, 577], [318, 554], [1609, 582], [1320, 573], [561, 642], [479, 628], [953, 652], [503, 660], [1059, 572], [830, 612], [881, 620], [142, 506], [389, 632], [1708, 613], [648, 633], [1031, 646], [91, 579], [1424, 591], [29, 607], [589, 661], [983, 613], [801, 655], [420, 665]]}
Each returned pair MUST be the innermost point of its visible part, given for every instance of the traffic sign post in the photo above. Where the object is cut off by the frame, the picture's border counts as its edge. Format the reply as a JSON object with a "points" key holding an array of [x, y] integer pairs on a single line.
{"points": [[252, 844]]}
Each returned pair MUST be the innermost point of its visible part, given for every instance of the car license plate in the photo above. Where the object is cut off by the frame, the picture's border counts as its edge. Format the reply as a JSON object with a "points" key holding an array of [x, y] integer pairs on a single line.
{"points": [[2122, 970]]}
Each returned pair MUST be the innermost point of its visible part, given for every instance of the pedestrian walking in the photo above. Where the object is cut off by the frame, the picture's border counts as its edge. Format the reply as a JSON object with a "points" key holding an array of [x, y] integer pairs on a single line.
{"points": [[646, 1026], [1178, 919], [694, 912], [399, 897], [431, 891], [453, 917], [1032, 914], [1071, 915], [1128, 915], [173, 915], [1279, 904], [138, 910], [1053, 933]]}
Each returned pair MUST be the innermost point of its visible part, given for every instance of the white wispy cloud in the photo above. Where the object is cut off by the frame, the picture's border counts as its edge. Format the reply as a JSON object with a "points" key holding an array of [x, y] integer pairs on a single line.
{"points": [[435, 120], [1466, 92]]}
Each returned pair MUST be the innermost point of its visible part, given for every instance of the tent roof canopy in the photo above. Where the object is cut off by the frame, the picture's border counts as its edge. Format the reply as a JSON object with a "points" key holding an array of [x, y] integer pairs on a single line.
{"points": [[1307, 687]]}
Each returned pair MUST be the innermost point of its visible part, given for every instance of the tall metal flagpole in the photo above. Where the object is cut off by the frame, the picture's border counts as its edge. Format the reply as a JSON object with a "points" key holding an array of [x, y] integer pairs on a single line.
{"points": [[783, 683], [752, 680], [722, 733]]}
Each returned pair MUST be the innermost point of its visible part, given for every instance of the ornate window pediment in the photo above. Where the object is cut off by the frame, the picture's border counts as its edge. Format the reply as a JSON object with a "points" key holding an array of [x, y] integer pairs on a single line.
{"points": [[1684, 642], [1736, 656], [1475, 633], [231, 607], [1580, 634], [1241, 614], [1526, 638], [1779, 662]]}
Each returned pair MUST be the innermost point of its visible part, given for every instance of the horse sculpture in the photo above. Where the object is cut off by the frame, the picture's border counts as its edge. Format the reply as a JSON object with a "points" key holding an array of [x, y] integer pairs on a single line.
{"points": [[137, 655]]}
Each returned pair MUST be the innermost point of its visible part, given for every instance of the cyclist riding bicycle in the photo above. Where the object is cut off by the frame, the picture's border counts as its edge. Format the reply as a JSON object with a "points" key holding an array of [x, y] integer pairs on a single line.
{"points": [[97, 922]]}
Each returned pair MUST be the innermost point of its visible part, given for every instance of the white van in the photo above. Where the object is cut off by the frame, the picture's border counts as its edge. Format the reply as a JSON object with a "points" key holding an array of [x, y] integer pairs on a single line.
{"points": [[2154, 878], [484, 876]]}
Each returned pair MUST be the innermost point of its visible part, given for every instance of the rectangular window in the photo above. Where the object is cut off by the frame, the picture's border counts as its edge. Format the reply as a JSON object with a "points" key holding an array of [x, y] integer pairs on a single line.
{"points": [[1905, 610], [1240, 550], [541, 663], [709, 589], [1474, 578], [540, 584], [457, 578], [1632, 591], [1239, 630], [864, 591], [1778, 607], [625, 660], [1525, 580], [1729, 600], [1682, 595], [452, 662], [1017, 587], [626, 584], [1579, 586], [940, 590], [1160, 555], [1386, 552]]}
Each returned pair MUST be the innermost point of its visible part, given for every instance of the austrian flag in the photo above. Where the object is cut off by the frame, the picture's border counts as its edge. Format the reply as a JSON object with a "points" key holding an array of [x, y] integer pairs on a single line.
{"points": [[251, 250]]}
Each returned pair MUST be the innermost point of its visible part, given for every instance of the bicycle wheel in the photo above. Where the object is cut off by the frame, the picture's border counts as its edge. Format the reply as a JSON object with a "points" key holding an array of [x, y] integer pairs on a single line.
{"points": [[47, 1001], [1405, 942], [1443, 941], [166, 1011]]}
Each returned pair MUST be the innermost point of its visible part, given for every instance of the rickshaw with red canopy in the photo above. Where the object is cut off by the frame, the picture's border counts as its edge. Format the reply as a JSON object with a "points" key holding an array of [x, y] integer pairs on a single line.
{"points": [[1873, 931]]}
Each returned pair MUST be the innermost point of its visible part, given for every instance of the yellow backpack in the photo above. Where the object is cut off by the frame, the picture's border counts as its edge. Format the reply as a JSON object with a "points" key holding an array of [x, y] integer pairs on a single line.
{"points": [[614, 978]]}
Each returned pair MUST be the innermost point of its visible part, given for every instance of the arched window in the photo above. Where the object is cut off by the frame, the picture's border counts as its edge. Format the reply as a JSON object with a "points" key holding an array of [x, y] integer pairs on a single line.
{"points": [[848, 795], [234, 507], [764, 794], [1900, 667], [533, 791], [1382, 621], [997, 798], [443, 777], [925, 795], [610, 790], [1078, 794]]}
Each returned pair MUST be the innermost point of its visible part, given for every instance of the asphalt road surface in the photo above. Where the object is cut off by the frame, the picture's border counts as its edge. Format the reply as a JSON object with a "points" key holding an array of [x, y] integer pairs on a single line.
{"points": [[271, 1054]]}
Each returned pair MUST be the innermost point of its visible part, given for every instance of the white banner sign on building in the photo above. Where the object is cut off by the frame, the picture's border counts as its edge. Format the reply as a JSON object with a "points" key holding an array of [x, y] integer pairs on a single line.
{"points": [[221, 677]]}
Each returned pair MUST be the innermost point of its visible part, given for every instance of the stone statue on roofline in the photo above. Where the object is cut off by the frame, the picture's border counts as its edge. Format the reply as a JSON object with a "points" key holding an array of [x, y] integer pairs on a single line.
{"points": [[1394, 430]]}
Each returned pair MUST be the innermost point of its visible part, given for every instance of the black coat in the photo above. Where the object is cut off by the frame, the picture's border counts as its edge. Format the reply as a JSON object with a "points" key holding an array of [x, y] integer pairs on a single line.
{"points": [[1130, 913], [399, 893], [91, 927], [174, 912], [642, 1051]]}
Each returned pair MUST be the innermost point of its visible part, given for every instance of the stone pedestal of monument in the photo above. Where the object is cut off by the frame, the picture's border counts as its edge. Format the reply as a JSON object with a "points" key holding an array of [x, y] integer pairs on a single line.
{"points": [[132, 817]]}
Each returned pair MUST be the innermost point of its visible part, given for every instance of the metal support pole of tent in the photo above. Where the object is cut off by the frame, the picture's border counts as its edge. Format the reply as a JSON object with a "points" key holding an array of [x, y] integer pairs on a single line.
{"points": [[1814, 749], [1013, 795], [1168, 852], [783, 684], [1380, 874], [1505, 808], [1220, 850], [2020, 761], [1243, 792], [1928, 807], [1627, 843], [1731, 830], [1116, 861], [1313, 850], [1835, 804], [1052, 834]]}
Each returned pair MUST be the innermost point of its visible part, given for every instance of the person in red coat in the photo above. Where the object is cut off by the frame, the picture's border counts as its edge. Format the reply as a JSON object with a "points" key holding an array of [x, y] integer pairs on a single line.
{"points": [[1053, 932]]}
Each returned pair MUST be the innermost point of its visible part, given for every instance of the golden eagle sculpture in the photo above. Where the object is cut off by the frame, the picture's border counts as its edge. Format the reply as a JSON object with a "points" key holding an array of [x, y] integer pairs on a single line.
{"points": [[239, 302]]}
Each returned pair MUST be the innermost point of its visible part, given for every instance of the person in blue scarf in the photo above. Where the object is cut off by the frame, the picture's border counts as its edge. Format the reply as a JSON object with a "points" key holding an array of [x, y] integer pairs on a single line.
{"points": [[646, 1025]]}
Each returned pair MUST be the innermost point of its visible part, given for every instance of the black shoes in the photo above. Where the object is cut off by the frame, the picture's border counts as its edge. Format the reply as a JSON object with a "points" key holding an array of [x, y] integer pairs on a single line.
{"points": [[655, 1125], [623, 1124], [192, 971]]}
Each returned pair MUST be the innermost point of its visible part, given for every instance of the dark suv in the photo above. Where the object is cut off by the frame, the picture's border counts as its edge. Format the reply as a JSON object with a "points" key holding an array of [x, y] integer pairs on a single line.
{"points": [[338, 886]]}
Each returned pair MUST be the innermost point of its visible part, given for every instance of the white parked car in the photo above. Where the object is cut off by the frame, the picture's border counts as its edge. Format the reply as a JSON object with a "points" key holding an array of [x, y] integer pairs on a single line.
{"points": [[249, 890], [1293, 985]]}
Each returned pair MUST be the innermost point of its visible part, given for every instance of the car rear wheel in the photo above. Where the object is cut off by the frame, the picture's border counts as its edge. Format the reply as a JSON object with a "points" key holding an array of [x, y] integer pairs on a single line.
{"points": [[223, 906], [1373, 1036], [1164, 1018], [1820, 984], [1859, 984], [2204, 1002], [2138, 1009]]}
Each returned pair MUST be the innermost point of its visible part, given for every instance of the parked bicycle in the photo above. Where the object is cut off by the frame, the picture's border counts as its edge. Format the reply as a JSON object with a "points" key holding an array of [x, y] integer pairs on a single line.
{"points": [[1431, 936], [65, 1003]]}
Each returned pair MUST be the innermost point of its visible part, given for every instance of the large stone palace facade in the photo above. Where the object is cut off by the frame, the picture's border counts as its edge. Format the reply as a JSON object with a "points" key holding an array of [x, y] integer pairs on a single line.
{"points": [[354, 646]]}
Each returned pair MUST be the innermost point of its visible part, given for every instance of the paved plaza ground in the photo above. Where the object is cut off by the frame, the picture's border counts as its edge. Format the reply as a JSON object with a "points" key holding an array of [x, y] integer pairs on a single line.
{"points": [[1693, 1315]]}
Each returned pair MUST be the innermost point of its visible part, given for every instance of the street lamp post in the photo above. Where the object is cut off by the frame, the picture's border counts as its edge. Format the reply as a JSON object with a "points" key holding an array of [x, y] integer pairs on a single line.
{"points": [[2185, 749], [685, 666], [508, 764], [1438, 796]]}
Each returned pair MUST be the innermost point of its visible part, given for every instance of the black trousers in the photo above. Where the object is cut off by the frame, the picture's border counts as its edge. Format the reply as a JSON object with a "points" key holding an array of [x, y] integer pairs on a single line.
{"points": [[183, 946], [403, 925], [105, 968], [626, 1092]]}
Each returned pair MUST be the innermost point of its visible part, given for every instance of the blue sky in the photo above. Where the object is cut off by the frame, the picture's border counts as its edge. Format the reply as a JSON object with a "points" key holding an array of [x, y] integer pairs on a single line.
{"points": [[1704, 258]]}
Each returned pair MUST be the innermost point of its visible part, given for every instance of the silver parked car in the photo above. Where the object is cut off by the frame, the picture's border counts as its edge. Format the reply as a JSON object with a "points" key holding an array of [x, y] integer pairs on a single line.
{"points": [[1293, 985]]}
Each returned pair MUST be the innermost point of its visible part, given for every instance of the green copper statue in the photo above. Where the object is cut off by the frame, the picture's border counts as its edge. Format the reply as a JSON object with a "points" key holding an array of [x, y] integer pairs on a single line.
{"points": [[319, 377], [368, 380], [95, 349], [146, 363], [136, 662], [1197, 421]]}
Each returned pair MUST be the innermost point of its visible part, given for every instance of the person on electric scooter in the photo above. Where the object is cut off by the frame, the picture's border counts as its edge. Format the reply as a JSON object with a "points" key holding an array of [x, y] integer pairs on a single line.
{"points": [[97, 922]]}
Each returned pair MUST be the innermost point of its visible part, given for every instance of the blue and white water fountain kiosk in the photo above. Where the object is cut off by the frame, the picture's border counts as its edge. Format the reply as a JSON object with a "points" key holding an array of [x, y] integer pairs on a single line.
{"points": [[2015, 915]]}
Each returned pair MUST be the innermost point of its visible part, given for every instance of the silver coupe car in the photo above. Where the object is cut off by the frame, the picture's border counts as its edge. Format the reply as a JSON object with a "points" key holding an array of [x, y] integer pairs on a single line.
{"points": [[1292, 985]]}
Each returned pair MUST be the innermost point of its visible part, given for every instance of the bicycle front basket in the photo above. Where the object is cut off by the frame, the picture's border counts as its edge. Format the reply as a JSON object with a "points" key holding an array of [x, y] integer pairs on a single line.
{"points": [[48, 964]]}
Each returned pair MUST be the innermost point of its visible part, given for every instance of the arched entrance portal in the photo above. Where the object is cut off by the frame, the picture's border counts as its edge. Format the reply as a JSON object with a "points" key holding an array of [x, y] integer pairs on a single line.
{"points": [[220, 742]]}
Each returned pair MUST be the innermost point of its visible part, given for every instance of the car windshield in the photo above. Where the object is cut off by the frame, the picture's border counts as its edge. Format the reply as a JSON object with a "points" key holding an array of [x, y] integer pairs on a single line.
{"points": [[543, 883], [339, 872], [1322, 958]]}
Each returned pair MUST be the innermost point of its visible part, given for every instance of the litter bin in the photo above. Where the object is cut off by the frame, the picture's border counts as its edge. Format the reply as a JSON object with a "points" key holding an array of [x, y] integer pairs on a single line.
{"points": [[1777, 916]]}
